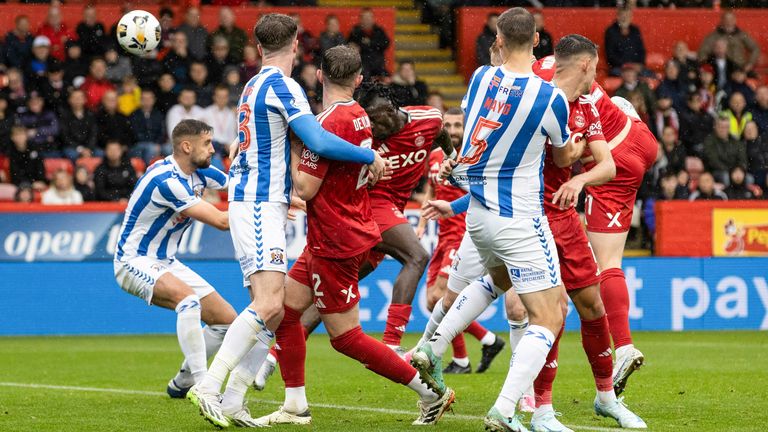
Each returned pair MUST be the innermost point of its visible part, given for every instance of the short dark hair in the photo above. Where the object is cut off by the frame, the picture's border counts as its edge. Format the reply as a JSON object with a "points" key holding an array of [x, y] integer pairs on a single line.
{"points": [[454, 111], [341, 64], [220, 87], [166, 11], [369, 92], [573, 45], [187, 128], [517, 27], [275, 31]]}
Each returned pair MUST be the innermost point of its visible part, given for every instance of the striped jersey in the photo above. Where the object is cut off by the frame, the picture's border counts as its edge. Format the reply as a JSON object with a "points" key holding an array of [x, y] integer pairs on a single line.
{"points": [[261, 172], [153, 223], [508, 119]]}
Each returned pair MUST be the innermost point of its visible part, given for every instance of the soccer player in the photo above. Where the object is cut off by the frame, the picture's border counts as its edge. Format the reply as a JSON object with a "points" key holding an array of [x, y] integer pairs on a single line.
{"points": [[512, 114], [163, 205], [341, 232], [259, 193], [450, 235]]}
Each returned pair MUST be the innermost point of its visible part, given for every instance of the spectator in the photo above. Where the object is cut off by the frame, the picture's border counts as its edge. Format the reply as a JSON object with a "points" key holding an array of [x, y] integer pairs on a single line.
{"points": [[84, 184], [439, 13], [740, 48], [706, 190], [118, 67], [147, 69], [486, 39], [235, 36], [198, 74], [407, 89], [57, 32], [166, 96], [307, 79], [695, 125], [760, 109], [738, 83], [24, 194], [624, 43], [185, 109], [26, 164], [436, 100], [111, 125], [75, 66], [672, 86], [707, 88], [91, 33], [545, 46], [232, 81], [672, 150], [177, 61], [17, 93], [223, 118], [686, 62], [78, 128], [251, 64], [665, 116], [115, 177], [129, 98], [638, 102], [18, 43], [218, 60], [6, 123], [196, 34], [738, 189], [42, 126], [737, 115], [41, 61], [631, 84], [670, 189], [373, 43], [54, 89], [722, 66], [96, 85], [167, 28], [62, 191], [148, 127], [307, 42], [757, 154], [722, 151], [332, 36]]}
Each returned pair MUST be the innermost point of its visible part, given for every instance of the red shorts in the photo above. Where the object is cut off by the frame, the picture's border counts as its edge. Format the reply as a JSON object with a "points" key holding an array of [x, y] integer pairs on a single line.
{"points": [[578, 267], [333, 281], [609, 206], [441, 260], [387, 215]]}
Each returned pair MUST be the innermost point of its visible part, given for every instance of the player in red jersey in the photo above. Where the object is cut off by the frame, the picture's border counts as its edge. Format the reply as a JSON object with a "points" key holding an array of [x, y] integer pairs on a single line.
{"points": [[451, 231], [341, 232]]}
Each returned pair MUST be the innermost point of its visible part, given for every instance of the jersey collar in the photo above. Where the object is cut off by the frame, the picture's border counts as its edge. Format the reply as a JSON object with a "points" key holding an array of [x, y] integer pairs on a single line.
{"points": [[176, 167]]}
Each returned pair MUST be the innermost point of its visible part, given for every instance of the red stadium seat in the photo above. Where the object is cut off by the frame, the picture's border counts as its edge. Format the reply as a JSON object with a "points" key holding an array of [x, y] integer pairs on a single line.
{"points": [[227, 162], [655, 62], [7, 192], [54, 164], [139, 165], [89, 163], [5, 168], [610, 84]]}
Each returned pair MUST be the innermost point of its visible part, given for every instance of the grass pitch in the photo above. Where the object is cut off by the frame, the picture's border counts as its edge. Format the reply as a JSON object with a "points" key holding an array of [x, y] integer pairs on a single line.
{"points": [[691, 381]]}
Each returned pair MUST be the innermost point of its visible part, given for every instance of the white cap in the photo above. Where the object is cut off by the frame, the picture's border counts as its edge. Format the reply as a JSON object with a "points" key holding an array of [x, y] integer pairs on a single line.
{"points": [[41, 41]]}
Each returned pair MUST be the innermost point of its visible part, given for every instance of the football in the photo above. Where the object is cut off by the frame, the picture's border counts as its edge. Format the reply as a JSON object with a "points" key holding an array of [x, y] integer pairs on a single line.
{"points": [[138, 32]]}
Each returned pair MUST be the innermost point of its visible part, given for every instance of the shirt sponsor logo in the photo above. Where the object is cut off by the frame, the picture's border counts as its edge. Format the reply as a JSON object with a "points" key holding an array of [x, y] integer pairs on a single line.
{"points": [[526, 274], [407, 159]]}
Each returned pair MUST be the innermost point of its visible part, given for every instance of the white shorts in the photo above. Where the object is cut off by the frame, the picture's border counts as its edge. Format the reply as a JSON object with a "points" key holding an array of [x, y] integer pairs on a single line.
{"points": [[138, 276], [466, 266], [258, 234], [524, 245]]}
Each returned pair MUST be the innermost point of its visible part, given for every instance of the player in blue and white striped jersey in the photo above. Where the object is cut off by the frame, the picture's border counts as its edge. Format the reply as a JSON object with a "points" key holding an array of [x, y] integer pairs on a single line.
{"points": [[259, 195], [510, 115], [163, 205]]}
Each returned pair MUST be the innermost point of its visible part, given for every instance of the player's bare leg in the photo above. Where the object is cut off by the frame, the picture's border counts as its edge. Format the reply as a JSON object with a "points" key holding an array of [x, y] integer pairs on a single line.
{"points": [[609, 249]]}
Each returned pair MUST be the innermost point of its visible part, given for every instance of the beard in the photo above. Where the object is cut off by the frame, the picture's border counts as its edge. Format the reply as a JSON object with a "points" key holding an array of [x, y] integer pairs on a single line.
{"points": [[202, 163]]}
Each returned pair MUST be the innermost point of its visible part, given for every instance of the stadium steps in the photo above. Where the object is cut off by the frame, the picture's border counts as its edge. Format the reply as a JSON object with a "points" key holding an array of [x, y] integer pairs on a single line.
{"points": [[367, 3]]}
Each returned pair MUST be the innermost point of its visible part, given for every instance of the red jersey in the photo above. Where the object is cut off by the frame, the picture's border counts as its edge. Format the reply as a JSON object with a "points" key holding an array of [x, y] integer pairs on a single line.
{"points": [[340, 221], [444, 190], [584, 122], [407, 152]]}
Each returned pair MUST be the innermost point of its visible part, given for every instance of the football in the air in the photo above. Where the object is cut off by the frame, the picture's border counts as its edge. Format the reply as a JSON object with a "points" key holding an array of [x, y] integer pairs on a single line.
{"points": [[138, 32]]}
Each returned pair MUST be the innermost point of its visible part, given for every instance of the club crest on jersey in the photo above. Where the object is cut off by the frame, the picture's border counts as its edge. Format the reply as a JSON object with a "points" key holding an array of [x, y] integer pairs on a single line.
{"points": [[579, 121], [277, 256], [419, 141]]}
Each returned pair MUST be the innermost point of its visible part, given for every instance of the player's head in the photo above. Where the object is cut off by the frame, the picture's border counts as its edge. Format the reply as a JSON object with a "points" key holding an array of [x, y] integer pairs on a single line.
{"points": [[193, 140], [341, 66], [378, 102], [516, 30], [276, 34], [453, 123], [578, 55]]}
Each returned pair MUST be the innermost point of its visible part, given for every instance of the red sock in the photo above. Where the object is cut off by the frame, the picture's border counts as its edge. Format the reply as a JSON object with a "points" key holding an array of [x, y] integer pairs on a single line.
{"points": [[374, 355], [292, 348], [476, 330], [459, 346], [613, 290], [397, 318], [596, 341], [273, 350], [542, 386]]}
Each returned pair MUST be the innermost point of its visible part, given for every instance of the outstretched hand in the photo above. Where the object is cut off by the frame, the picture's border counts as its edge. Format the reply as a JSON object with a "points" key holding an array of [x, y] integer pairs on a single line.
{"points": [[568, 194], [437, 209]]}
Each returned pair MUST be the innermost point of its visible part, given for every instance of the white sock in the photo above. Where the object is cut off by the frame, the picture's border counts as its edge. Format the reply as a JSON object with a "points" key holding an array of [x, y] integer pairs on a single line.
{"points": [[542, 410], [475, 298], [516, 331], [461, 361], [190, 336], [424, 392], [438, 313], [622, 350], [270, 358], [606, 397], [295, 400], [243, 375], [527, 360], [488, 339], [243, 334], [213, 336]]}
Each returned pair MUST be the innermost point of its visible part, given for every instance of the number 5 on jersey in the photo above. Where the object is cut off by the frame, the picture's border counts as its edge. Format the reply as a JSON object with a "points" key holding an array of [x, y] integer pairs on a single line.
{"points": [[477, 140]]}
